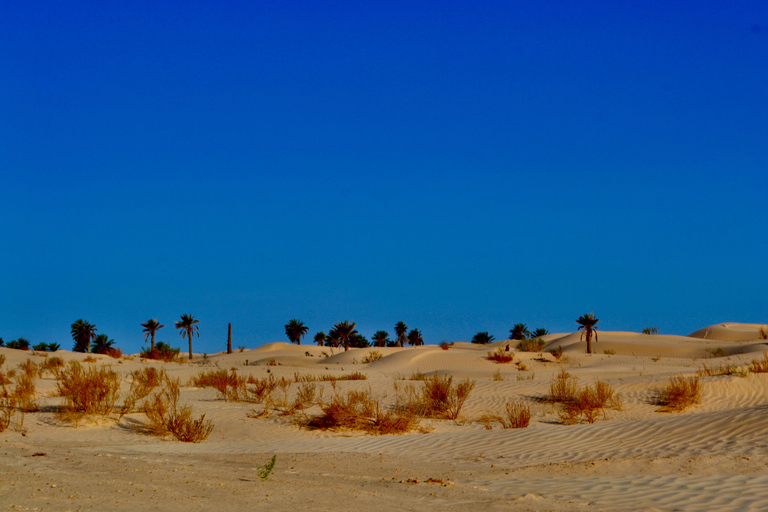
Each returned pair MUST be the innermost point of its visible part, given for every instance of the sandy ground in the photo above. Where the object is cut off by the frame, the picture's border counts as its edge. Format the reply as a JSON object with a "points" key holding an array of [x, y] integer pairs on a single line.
{"points": [[711, 457]]}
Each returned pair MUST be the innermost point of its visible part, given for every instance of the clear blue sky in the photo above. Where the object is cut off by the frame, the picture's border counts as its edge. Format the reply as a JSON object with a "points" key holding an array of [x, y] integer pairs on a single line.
{"points": [[458, 167]]}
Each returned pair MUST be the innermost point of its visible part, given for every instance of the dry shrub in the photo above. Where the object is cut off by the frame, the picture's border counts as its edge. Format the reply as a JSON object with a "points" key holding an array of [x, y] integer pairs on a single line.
{"points": [[418, 376], [515, 415], [359, 411], [328, 378], [531, 345], [438, 398], [679, 394], [557, 353], [563, 388], [25, 387], [728, 369], [521, 366], [93, 391], [763, 333], [758, 366], [143, 382], [262, 389], [588, 403], [716, 352], [90, 359], [166, 417], [51, 364], [231, 387], [497, 377], [500, 356], [445, 345], [372, 357], [2, 359]]}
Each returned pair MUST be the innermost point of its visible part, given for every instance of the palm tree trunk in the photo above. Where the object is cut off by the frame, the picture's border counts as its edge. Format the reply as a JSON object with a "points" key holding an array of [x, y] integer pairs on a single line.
{"points": [[189, 333], [589, 342], [153, 342], [229, 339]]}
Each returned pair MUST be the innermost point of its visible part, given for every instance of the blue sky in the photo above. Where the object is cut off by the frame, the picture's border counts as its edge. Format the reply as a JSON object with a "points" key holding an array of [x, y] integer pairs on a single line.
{"points": [[458, 167]]}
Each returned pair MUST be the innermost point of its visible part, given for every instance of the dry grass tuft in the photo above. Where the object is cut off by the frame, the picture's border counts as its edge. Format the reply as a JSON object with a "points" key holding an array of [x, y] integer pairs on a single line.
{"points": [[438, 398], [90, 359], [90, 392], [500, 356], [764, 333], [359, 411], [166, 417], [143, 382], [758, 366], [557, 353], [515, 415], [51, 364], [531, 345], [716, 352], [728, 369], [497, 376], [563, 388], [372, 357], [680, 394], [589, 403], [25, 387], [231, 386]]}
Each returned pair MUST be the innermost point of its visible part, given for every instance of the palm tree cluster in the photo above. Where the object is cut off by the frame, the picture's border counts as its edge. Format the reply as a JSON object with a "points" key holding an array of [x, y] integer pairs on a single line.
{"points": [[344, 334]]}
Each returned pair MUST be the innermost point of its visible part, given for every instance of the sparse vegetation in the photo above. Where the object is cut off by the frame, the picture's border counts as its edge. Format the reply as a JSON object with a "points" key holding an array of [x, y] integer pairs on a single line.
{"points": [[563, 388], [531, 345], [516, 415], [727, 369], [359, 411], [161, 352], [445, 345], [266, 469], [143, 382], [87, 392], [651, 331], [372, 357], [497, 376], [763, 333], [588, 403], [759, 366], [679, 394], [167, 417], [716, 352], [438, 397], [500, 356], [557, 353], [609, 352]]}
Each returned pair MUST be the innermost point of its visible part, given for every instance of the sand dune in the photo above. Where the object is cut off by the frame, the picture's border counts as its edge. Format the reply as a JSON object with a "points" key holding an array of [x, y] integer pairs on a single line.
{"points": [[712, 456]]}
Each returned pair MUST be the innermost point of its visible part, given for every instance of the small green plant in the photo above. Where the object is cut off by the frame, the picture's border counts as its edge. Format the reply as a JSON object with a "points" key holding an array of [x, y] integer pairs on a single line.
{"points": [[610, 352], [531, 345], [266, 469]]}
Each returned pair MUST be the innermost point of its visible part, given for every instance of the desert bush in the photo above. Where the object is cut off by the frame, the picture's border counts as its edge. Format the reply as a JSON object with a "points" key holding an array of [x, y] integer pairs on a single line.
{"points": [[262, 389], [297, 377], [162, 352], [24, 393], [19, 344], [497, 376], [758, 366], [609, 352], [588, 403], [763, 333], [93, 391], [166, 417], [51, 364], [500, 356], [521, 366], [531, 345], [651, 330], [557, 353], [90, 359], [515, 415], [372, 357], [7, 407], [728, 369], [679, 394], [438, 397], [359, 411], [2, 358], [716, 352], [231, 387], [143, 382], [563, 388], [445, 345]]}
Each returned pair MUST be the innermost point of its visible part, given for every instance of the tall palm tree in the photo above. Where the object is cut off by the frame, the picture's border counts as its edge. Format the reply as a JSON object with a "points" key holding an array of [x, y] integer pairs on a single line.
{"points": [[380, 338], [102, 344], [588, 323], [332, 340], [414, 338], [82, 332], [295, 330], [482, 338], [187, 328], [345, 329], [400, 330], [151, 326], [519, 332], [320, 339]]}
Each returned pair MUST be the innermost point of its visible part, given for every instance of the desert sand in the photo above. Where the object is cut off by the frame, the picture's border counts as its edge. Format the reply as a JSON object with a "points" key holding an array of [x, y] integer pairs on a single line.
{"points": [[713, 456]]}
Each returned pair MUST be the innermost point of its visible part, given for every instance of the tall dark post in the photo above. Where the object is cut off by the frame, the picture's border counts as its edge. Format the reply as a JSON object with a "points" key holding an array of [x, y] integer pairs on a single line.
{"points": [[229, 339]]}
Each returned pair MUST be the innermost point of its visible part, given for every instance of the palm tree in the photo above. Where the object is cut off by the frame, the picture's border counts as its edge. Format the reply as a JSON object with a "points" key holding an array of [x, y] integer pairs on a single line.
{"points": [[538, 333], [82, 332], [345, 330], [588, 322], [295, 330], [400, 330], [151, 326], [519, 332], [414, 338], [187, 328], [332, 340], [102, 344], [380, 338], [320, 339], [482, 338]]}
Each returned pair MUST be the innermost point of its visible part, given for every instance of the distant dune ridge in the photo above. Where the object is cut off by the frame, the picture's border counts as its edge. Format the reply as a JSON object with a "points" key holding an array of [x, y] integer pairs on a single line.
{"points": [[712, 455]]}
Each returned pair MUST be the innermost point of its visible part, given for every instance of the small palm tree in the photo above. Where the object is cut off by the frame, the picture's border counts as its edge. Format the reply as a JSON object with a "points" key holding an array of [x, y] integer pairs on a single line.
{"points": [[320, 339], [332, 340], [482, 338], [400, 330], [519, 332], [414, 338], [187, 328], [538, 333], [380, 338], [151, 326], [295, 330], [345, 330], [82, 332], [102, 344], [588, 323]]}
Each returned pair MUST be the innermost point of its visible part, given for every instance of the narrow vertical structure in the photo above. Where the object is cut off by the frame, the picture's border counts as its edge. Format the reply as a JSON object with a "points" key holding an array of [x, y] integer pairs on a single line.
{"points": [[229, 339]]}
